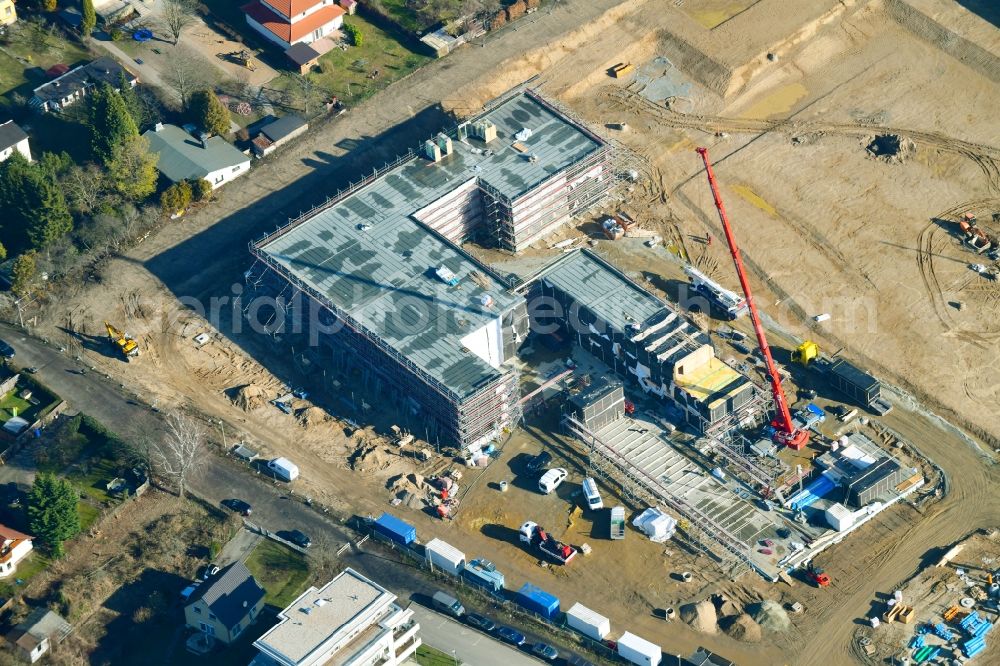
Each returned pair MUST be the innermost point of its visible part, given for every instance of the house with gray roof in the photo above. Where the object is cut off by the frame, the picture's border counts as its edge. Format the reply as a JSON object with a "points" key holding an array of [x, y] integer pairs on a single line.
{"points": [[13, 138], [184, 156], [66, 89], [226, 604]]}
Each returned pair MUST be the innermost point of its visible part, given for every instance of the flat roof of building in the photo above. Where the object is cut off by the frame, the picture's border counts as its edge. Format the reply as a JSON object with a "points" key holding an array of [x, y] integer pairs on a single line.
{"points": [[366, 255], [322, 616]]}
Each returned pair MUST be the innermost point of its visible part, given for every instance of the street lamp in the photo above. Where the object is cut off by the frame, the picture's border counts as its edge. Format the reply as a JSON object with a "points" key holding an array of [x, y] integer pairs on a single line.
{"points": [[455, 657], [222, 427]]}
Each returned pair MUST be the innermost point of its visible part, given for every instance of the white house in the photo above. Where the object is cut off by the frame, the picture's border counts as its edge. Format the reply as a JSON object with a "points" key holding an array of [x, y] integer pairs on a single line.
{"points": [[184, 156], [14, 547], [76, 83], [13, 138], [350, 620], [287, 22], [33, 637]]}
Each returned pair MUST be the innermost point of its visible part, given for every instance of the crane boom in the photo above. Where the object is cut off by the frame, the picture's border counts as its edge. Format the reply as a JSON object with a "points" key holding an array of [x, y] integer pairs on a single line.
{"points": [[785, 431]]}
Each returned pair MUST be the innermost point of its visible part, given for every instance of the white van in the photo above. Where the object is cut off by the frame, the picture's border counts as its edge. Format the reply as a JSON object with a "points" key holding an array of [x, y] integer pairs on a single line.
{"points": [[591, 494], [284, 469], [551, 480]]}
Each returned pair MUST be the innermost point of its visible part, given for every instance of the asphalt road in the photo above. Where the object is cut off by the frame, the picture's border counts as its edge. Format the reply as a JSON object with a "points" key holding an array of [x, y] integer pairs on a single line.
{"points": [[469, 645], [275, 507]]}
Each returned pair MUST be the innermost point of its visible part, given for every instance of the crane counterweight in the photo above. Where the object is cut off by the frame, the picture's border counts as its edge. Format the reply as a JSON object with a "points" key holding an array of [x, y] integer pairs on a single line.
{"points": [[785, 431]]}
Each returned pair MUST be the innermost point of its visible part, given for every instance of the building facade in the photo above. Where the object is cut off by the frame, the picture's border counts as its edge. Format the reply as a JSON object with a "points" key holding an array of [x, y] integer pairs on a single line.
{"points": [[288, 22], [350, 620], [14, 547], [8, 13], [417, 318], [13, 139], [184, 156]]}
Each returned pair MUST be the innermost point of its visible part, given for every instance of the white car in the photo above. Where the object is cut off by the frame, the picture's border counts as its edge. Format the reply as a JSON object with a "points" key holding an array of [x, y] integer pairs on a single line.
{"points": [[551, 480]]}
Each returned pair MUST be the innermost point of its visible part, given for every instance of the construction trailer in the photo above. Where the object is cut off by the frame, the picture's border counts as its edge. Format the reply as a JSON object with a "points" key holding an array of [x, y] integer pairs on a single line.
{"points": [[600, 403], [590, 623], [361, 274], [857, 385], [643, 340]]}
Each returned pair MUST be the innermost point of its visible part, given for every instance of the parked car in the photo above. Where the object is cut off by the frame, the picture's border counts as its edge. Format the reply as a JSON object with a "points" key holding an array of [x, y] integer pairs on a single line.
{"points": [[189, 591], [481, 622], [209, 571], [238, 505], [31, 370], [299, 538], [6, 350], [446, 603], [552, 479], [512, 636], [537, 463], [575, 660], [544, 651], [591, 495]]}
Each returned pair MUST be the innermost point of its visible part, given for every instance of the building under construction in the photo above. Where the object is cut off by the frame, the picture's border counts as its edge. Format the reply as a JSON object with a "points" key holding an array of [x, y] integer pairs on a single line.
{"points": [[416, 315], [643, 339]]}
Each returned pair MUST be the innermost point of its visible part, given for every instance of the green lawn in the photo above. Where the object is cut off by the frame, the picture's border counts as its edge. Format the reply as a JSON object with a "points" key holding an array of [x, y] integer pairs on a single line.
{"points": [[33, 50], [29, 567], [11, 73], [428, 656], [88, 513], [346, 73], [405, 16], [93, 479], [281, 571], [11, 403]]}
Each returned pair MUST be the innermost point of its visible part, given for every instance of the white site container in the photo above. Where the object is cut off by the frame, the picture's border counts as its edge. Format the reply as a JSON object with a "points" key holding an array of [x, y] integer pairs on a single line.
{"points": [[442, 555], [589, 623], [839, 517], [639, 651], [284, 469]]}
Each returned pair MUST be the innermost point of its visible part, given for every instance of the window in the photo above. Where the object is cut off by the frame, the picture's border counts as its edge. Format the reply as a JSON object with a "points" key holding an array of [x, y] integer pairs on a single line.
{"points": [[212, 617], [208, 629], [253, 611], [197, 610], [236, 630], [236, 168]]}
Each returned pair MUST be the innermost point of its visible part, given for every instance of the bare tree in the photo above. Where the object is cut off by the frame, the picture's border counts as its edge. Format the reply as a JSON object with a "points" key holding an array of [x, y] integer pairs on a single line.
{"points": [[308, 92], [185, 74], [177, 15], [180, 452]]}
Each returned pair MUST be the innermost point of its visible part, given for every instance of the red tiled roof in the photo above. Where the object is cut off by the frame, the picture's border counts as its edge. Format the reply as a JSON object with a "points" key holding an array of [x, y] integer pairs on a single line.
{"points": [[291, 8], [10, 534], [291, 32]]}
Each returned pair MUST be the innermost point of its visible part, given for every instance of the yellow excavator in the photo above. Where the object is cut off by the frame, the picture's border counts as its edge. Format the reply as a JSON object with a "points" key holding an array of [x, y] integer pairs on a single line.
{"points": [[125, 343]]}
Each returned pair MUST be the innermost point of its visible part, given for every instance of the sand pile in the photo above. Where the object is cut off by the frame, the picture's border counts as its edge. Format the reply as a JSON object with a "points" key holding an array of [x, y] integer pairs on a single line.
{"points": [[701, 616], [744, 628], [311, 416], [250, 397], [412, 482], [371, 458], [771, 616]]}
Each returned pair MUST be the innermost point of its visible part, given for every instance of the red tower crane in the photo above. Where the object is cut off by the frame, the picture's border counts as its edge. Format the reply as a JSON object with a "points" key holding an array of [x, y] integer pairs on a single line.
{"points": [[785, 431]]}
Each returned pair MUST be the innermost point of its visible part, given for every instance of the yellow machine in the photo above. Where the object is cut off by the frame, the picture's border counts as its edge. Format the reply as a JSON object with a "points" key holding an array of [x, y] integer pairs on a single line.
{"points": [[126, 344], [806, 352]]}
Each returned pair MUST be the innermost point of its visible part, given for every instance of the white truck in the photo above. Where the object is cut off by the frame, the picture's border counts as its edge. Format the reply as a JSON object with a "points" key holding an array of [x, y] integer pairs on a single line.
{"points": [[284, 469]]}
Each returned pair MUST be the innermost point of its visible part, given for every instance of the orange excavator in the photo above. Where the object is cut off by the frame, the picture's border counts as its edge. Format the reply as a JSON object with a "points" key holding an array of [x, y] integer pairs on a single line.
{"points": [[124, 342], [975, 237]]}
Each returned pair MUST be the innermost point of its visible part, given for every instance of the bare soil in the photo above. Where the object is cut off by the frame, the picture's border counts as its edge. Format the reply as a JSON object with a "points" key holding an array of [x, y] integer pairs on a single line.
{"points": [[826, 227]]}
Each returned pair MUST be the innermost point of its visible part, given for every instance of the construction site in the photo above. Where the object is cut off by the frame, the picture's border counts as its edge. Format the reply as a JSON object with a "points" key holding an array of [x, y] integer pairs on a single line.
{"points": [[793, 360]]}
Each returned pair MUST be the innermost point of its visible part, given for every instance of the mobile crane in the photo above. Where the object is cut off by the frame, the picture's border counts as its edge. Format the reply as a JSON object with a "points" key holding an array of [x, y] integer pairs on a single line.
{"points": [[785, 431]]}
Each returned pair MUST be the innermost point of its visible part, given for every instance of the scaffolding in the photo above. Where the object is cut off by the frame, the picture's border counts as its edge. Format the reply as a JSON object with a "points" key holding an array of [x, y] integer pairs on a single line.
{"points": [[707, 534]]}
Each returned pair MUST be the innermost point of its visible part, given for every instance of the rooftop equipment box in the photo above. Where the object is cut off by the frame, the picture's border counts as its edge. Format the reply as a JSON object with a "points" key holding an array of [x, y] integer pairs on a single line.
{"points": [[587, 622], [538, 601], [444, 556], [639, 651], [395, 530]]}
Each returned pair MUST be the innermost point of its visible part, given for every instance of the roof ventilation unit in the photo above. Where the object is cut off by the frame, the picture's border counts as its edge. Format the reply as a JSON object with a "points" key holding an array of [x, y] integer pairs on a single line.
{"points": [[484, 130], [432, 151]]}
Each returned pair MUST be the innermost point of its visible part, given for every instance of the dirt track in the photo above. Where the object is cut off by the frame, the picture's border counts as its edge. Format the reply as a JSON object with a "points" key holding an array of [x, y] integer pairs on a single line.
{"points": [[851, 218]]}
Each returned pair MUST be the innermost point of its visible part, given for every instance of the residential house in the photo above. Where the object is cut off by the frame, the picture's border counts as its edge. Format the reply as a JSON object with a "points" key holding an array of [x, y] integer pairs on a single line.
{"points": [[350, 620], [225, 605], [8, 14], [14, 547], [288, 22], [35, 635], [278, 132], [67, 88], [184, 156], [13, 138]]}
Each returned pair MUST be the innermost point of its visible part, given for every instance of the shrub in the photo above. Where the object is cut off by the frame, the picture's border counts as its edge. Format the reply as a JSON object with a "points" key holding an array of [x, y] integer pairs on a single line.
{"points": [[352, 31], [176, 198], [116, 35], [498, 20], [516, 10], [201, 189]]}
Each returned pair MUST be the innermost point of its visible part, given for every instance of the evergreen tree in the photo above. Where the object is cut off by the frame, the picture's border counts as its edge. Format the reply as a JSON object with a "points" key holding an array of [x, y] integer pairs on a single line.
{"points": [[208, 112], [22, 273], [133, 168], [52, 516], [35, 212], [89, 21], [133, 104], [110, 123]]}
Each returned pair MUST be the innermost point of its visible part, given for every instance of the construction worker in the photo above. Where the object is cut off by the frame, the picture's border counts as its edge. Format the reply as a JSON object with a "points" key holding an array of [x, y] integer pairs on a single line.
{"points": [[708, 240]]}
